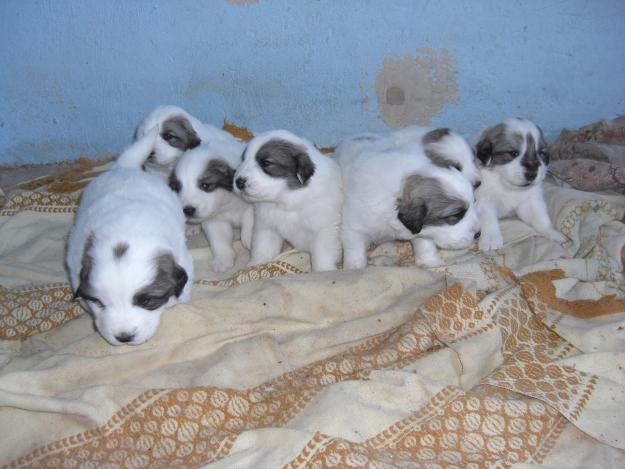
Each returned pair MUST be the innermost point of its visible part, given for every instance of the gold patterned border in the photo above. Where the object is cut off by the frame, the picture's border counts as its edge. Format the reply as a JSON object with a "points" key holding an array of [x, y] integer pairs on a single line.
{"points": [[194, 426]]}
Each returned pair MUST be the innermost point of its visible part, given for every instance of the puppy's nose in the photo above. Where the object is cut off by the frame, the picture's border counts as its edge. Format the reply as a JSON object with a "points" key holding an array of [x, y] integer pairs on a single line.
{"points": [[240, 182], [189, 210], [124, 337], [477, 184], [477, 235]]}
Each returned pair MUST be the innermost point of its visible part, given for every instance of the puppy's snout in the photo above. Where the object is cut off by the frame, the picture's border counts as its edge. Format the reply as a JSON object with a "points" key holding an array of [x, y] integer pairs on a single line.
{"points": [[530, 174], [477, 235], [240, 182], [189, 210], [124, 337]]}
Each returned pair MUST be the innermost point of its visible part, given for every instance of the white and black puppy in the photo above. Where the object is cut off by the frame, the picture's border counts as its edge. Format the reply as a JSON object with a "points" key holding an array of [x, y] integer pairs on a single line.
{"points": [[513, 157], [395, 192], [444, 147], [203, 179], [126, 253], [297, 197], [178, 131]]}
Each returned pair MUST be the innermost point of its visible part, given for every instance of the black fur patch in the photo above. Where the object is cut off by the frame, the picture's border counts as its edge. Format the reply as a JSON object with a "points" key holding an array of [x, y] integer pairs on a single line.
{"points": [[170, 280], [174, 182], [84, 289], [424, 202], [179, 133], [217, 175], [282, 159]]}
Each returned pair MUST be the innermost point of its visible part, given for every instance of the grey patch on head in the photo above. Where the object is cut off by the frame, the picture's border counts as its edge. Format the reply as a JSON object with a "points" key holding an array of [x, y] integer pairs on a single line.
{"points": [[435, 135], [217, 175], [436, 156], [424, 201], [174, 182], [84, 289], [120, 249], [498, 147], [170, 280], [179, 133], [283, 159]]}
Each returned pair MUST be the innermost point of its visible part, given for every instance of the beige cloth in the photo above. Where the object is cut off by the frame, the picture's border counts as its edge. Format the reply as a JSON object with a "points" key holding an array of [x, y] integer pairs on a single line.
{"points": [[513, 357]]}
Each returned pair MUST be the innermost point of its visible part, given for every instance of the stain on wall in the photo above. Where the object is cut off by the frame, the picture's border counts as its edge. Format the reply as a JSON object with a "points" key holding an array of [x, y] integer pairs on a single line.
{"points": [[414, 89]]}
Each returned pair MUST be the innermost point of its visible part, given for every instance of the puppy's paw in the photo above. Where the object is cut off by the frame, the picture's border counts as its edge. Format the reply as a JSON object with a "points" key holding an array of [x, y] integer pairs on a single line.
{"points": [[490, 241], [555, 235], [222, 264]]}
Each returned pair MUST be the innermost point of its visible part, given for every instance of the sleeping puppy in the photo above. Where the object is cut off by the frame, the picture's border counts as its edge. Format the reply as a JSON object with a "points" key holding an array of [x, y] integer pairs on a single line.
{"points": [[514, 159], [297, 197], [394, 192], [203, 179], [443, 147], [126, 253], [178, 131]]}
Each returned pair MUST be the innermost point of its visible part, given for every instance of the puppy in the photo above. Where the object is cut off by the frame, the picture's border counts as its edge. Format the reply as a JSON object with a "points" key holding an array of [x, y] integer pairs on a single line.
{"points": [[513, 157], [203, 179], [394, 192], [178, 131], [297, 197], [126, 253], [443, 147]]}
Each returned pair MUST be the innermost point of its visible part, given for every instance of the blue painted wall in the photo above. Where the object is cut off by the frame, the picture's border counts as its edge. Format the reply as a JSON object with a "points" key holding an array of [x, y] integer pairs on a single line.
{"points": [[77, 75]]}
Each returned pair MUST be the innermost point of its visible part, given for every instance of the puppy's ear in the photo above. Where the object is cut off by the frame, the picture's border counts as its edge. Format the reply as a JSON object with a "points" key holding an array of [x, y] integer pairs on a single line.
{"points": [[179, 133], [84, 288], [170, 280], [180, 279], [305, 167], [412, 215], [484, 151]]}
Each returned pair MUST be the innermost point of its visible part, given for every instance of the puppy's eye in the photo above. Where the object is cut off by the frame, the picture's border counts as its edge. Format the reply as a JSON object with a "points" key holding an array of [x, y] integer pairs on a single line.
{"points": [[513, 153], [149, 302], [92, 300], [543, 153], [206, 187], [265, 163], [456, 217]]}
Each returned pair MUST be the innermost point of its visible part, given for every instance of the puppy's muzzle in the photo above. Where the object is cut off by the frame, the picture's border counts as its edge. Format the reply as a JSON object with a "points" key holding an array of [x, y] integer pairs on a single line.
{"points": [[240, 182], [189, 210], [477, 235]]}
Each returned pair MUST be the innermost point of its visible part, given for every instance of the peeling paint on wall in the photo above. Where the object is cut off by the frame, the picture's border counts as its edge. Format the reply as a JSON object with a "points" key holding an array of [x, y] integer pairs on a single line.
{"points": [[412, 90]]}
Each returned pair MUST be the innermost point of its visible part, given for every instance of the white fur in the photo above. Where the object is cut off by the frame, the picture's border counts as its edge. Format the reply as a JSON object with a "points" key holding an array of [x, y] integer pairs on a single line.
{"points": [[374, 169], [308, 217], [505, 193], [164, 156], [220, 211], [453, 146], [127, 205]]}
